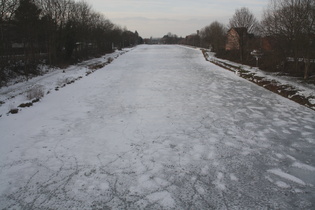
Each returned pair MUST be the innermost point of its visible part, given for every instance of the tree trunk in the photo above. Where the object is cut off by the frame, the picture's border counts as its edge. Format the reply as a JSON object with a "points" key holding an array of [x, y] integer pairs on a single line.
{"points": [[307, 67], [296, 61]]}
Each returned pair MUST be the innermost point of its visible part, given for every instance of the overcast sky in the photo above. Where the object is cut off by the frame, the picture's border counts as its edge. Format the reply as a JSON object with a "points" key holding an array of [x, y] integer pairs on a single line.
{"points": [[182, 17]]}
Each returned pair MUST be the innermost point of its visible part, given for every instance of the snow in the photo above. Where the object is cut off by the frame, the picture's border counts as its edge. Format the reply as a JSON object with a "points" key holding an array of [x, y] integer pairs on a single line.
{"points": [[287, 176], [233, 177], [303, 166], [282, 184], [158, 128], [16, 92], [303, 89]]}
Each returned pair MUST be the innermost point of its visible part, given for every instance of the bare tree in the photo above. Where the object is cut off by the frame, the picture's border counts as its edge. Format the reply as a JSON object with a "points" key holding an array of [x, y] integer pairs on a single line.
{"points": [[244, 18], [214, 35], [26, 18], [65, 30], [7, 8], [292, 23]]}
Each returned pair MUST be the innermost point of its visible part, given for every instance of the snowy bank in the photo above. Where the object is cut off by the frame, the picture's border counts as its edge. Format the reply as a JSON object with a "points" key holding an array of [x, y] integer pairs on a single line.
{"points": [[289, 87]]}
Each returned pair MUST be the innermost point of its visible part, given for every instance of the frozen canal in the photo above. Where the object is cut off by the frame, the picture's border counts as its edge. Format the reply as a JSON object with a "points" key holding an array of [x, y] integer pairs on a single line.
{"points": [[159, 128]]}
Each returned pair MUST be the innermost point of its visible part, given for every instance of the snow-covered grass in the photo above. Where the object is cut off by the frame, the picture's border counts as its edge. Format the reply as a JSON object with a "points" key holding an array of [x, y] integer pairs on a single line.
{"points": [[21, 90]]}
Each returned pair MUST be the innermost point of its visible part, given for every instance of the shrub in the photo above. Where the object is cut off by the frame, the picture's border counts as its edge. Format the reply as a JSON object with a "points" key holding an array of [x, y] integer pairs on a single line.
{"points": [[109, 60], [64, 81], [35, 92]]}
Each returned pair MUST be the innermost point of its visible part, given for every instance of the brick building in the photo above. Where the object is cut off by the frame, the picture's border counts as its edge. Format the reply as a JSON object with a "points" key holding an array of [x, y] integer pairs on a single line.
{"points": [[236, 38]]}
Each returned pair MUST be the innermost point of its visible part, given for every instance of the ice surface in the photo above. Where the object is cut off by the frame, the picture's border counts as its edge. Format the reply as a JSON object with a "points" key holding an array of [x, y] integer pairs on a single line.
{"points": [[158, 128], [303, 166], [282, 184], [286, 176]]}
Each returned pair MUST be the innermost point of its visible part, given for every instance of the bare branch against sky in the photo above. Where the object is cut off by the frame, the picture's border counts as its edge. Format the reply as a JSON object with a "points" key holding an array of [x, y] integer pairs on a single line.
{"points": [[182, 17]]}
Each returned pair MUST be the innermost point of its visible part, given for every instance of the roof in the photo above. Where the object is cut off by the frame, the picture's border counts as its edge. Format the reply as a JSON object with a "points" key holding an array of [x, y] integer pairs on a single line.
{"points": [[240, 30]]}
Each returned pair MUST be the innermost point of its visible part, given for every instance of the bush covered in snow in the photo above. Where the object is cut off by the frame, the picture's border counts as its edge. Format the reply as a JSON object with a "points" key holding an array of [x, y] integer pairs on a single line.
{"points": [[35, 92]]}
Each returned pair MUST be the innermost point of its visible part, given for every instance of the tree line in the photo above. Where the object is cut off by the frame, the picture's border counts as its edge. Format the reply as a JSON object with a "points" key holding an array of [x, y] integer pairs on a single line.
{"points": [[55, 31], [285, 36]]}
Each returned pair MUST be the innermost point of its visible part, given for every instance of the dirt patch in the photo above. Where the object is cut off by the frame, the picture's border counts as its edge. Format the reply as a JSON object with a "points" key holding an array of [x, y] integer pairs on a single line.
{"points": [[97, 66], [28, 104], [13, 111]]}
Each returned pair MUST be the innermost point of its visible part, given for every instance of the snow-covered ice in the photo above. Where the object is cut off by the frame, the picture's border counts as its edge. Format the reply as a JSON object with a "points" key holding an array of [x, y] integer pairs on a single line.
{"points": [[286, 176], [159, 128]]}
